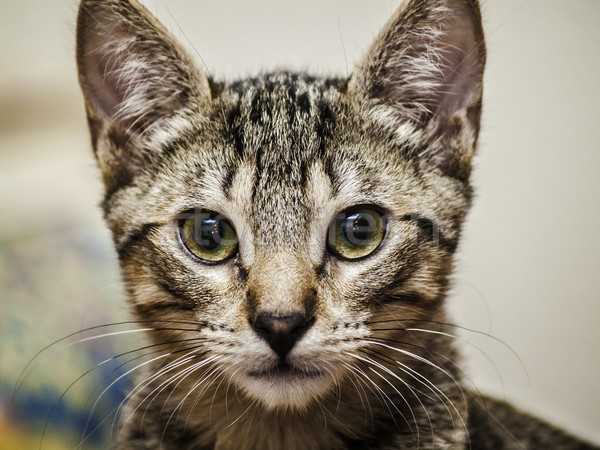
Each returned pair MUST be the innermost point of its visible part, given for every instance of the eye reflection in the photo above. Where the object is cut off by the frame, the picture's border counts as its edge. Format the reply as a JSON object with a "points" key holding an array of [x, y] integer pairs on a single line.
{"points": [[356, 232], [208, 235]]}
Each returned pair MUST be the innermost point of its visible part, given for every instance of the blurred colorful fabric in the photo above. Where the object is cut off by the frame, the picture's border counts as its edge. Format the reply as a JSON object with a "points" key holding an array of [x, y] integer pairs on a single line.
{"points": [[56, 280]]}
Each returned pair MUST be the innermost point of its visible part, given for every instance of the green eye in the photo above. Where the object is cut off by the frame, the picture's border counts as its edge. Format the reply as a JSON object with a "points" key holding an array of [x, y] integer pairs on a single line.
{"points": [[208, 235], [356, 233]]}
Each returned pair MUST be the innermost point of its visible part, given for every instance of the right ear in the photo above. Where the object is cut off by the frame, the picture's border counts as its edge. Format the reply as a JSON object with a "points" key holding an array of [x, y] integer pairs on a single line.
{"points": [[425, 69], [133, 75]]}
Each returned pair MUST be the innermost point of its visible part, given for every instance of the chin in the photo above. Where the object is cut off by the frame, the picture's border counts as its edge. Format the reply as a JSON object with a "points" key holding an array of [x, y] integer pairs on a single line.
{"points": [[285, 388]]}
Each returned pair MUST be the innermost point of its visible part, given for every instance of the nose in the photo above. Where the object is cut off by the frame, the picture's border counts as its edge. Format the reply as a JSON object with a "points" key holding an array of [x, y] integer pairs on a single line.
{"points": [[281, 332]]}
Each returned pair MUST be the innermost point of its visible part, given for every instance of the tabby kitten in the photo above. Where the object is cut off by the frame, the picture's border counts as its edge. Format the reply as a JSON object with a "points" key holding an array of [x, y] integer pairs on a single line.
{"points": [[287, 240]]}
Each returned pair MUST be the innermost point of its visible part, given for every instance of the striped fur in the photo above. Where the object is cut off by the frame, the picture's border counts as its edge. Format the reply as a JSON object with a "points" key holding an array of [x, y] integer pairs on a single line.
{"points": [[280, 155]]}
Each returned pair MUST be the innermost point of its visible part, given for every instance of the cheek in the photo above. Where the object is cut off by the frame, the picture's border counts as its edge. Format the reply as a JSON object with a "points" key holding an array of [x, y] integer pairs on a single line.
{"points": [[228, 307], [340, 309], [163, 287]]}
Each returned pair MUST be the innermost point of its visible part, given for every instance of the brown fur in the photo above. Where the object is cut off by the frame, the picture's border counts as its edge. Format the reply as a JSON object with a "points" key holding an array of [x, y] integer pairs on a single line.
{"points": [[372, 362]]}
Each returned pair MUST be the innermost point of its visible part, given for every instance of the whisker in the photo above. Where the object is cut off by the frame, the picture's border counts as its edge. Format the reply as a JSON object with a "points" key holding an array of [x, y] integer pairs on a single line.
{"points": [[242, 414], [180, 377], [84, 437], [369, 362], [326, 411], [117, 409], [173, 365], [436, 366], [197, 384], [248, 424], [439, 394], [479, 349], [206, 375], [366, 398], [106, 361], [448, 324], [23, 375], [212, 401], [498, 422], [159, 373], [163, 344], [383, 358], [386, 400]]}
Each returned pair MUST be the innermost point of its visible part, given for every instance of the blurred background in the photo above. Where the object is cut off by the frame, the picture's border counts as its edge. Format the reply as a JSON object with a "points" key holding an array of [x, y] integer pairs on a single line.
{"points": [[528, 271]]}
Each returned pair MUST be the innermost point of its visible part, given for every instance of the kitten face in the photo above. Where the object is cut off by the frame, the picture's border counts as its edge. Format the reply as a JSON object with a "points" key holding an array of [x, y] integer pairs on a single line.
{"points": [[281, 198], [284, 159]]}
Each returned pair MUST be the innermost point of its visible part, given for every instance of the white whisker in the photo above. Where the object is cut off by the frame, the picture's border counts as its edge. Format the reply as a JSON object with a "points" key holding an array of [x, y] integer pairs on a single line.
{"points": [[444, 400], [370, 362], [176, 363]]}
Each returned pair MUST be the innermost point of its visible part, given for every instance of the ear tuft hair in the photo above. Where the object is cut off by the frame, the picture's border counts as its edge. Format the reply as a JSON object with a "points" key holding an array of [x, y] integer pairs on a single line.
{"points": [[133, 75], [427, 61], [426, 68], [130, 68]]}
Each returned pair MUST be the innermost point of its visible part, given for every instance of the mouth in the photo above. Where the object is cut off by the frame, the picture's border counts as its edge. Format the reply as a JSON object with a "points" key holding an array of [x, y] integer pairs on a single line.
{"points": [[286, 372], [285, 385]]}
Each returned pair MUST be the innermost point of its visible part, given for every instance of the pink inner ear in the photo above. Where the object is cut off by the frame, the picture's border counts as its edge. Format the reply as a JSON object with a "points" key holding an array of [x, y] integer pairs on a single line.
{"points": [[428, 60], [104, 56], [131, 70], [459, 74], [105, 94]]}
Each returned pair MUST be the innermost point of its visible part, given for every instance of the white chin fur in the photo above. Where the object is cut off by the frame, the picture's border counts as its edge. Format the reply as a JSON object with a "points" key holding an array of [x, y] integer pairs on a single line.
{"points": [[284, 392]]}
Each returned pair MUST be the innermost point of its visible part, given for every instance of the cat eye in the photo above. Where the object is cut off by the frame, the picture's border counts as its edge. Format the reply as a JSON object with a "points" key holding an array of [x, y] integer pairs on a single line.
{"points": [[356, 232], [208, 235]]}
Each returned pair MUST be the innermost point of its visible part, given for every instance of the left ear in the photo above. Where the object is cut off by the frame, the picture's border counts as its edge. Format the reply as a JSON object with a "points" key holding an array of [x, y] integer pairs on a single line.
{"points": [[426, 66], [135, 77]]}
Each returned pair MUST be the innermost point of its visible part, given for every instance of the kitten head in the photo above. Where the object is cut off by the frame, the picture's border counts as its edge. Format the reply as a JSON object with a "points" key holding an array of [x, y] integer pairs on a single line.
{"points": [[287, 224]]}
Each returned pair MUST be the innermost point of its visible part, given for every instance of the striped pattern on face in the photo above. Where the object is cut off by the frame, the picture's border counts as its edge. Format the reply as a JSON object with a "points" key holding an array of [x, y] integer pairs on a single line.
{"points": [[287, 160]]}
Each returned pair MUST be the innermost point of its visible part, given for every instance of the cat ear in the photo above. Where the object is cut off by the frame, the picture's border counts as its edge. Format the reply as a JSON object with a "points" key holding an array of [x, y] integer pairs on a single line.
{"points": [[427, 65], [134, 75]]}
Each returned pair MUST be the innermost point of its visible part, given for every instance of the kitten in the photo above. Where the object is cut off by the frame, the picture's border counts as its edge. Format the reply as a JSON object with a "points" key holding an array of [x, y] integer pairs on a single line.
{"points": [[287, 240]]}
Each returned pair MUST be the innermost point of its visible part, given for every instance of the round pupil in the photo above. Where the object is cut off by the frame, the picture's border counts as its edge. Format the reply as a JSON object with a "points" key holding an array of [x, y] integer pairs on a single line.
{"points": [[358, 229], [209, 233]]}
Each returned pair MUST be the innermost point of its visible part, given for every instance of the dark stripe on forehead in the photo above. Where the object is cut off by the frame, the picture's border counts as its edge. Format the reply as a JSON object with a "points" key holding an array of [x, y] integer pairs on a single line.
{"points": [[303, 103], [256, 112], [235, 129], [230, 171], [281, 124], [233, 135], [324, 128]]}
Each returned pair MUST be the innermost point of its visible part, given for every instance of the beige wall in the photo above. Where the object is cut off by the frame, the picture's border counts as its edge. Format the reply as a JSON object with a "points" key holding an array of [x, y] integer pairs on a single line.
{"points": [[529, 266]]}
